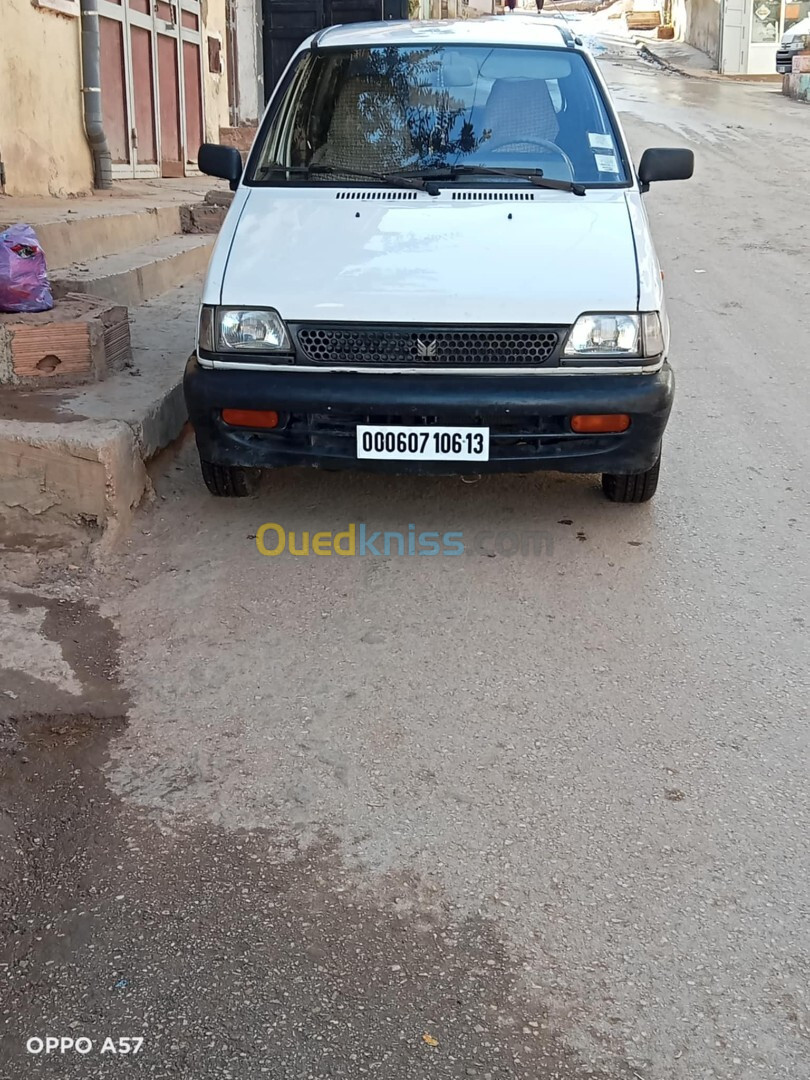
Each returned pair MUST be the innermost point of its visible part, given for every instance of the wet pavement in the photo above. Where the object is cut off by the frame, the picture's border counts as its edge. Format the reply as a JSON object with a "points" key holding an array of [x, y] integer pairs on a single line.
{"points": [[536, 814]]}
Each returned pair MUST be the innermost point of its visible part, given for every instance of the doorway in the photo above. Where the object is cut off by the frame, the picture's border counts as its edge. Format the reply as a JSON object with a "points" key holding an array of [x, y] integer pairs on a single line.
{"points": [[151, 85]]}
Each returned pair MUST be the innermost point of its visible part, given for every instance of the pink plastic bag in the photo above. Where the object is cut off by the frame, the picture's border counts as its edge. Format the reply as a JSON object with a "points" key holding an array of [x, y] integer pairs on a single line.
{"points": [[24, 282]]}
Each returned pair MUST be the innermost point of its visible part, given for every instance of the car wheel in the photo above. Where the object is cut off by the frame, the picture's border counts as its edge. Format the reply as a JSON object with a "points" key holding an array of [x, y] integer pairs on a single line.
{"points": [[229, 481], [631, 487]]}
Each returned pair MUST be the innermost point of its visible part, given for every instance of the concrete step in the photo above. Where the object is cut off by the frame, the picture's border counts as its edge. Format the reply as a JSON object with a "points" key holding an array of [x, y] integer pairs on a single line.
{"points": [[203, 218], [206, 216], [72, 460], [79, 236], [134, 276]]}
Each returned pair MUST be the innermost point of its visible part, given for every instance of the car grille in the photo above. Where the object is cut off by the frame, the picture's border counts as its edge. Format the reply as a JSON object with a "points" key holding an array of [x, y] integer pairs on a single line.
{"points": [[411, 347]]}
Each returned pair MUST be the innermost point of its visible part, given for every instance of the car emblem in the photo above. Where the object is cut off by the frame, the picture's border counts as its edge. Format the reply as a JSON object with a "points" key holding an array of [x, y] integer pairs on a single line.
{"points": [[428, 347]]}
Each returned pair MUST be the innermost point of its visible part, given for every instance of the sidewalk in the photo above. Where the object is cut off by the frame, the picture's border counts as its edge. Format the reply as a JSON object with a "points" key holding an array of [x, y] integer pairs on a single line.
{"points": [[683, 59], [124, 197], [73, 454], [73, 460], [671, 55], [608, 26], [675, 55]]}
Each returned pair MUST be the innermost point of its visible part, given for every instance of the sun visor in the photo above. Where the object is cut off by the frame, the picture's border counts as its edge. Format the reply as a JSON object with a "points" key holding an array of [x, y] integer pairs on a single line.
{"points": [[526, 64], [458, 74]]}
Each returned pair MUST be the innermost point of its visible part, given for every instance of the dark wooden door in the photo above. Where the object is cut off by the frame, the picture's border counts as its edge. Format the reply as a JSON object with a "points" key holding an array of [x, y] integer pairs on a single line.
{"points": [[288, 22]]}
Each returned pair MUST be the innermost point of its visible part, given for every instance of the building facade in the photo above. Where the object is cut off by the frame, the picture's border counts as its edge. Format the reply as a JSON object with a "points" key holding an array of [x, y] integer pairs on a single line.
{"points": [[454, 9], [751, 32], [741, 36], [164, 90], [245, 62]]}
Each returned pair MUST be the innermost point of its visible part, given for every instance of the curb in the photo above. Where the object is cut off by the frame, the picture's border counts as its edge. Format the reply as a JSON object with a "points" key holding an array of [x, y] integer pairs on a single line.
{"points": [[646, 53], [84, 479]]}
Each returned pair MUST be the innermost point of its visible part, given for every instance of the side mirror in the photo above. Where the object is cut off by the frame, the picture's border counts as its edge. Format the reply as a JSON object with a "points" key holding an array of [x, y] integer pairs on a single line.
{"points": [[663, 164], [222, 161]]}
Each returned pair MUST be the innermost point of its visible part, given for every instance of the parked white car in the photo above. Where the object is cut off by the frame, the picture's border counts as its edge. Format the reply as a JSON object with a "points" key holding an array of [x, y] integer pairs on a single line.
{"points": [[794, 40], [437, 260]]}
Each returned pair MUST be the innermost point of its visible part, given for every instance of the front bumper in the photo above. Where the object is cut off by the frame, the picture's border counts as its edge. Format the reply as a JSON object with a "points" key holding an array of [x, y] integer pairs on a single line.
{"points": [[527, 416]]}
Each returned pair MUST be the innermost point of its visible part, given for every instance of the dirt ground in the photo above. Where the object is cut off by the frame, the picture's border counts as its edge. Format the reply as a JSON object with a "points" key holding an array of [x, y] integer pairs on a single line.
{"points": [[536, 815]]}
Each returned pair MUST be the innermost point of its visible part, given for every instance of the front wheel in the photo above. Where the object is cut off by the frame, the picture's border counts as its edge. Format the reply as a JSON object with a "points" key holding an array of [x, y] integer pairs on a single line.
{"points": [[229, 481], [631, 487]]}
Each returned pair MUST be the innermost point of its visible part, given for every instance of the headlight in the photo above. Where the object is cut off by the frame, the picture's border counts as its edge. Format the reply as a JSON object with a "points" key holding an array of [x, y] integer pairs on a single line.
{"points": [[620, 337], [242, 330]]}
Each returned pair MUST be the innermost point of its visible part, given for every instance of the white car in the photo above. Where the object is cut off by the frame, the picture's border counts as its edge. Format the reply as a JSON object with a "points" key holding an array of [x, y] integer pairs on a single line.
{"points": [[795, 39], [437, 260]]}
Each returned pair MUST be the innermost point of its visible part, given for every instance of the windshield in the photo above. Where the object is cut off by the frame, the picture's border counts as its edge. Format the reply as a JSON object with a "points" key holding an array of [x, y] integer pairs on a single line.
{"points": [[415, 109]]}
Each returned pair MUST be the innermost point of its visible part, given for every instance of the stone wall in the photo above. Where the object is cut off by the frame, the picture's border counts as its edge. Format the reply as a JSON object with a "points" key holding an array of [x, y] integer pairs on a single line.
{"points": [[697, 22], [215, 84], [42, 139], [42, 142], [797, 84], [249, 66]]}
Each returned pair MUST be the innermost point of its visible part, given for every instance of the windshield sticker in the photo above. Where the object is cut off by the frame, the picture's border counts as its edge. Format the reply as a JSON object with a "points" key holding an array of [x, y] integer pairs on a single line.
{"points": [[599, 141], [606, 163]]}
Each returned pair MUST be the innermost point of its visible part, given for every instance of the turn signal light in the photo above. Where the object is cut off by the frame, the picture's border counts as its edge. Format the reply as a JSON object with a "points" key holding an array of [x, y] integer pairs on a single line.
{"points": [[255, 418], [600, 423]]}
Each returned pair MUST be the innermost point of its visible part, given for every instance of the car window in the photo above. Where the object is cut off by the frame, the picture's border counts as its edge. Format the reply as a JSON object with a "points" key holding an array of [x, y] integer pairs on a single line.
{"points": [[411, 109]]}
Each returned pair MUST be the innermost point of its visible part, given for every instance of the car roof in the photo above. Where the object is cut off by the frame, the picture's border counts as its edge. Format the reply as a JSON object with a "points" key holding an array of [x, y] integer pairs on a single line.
{"points": [[498, 30]]}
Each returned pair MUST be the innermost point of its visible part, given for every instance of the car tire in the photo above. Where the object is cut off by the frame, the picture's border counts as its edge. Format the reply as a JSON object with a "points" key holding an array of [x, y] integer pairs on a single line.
{"points": [[631, 487], [229, 481]]}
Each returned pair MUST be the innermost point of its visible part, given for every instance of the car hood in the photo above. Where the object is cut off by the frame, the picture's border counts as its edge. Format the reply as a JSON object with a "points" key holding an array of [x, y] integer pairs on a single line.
{"points": [[472, 256]]}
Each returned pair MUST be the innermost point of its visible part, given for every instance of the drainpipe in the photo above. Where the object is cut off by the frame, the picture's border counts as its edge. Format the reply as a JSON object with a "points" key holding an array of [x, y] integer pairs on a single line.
{"points": [[91, 90]]}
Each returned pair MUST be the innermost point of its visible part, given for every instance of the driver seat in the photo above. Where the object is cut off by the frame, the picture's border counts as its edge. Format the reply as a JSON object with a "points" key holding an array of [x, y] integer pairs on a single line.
{"points": [[520, 109]]}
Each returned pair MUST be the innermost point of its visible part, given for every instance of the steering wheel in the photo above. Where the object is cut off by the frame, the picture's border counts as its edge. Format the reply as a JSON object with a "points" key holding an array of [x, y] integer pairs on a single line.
{"points": [[545, 144]]}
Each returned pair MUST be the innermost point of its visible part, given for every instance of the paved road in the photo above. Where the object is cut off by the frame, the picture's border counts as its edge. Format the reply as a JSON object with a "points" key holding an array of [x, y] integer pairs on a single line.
{"points": [[534, 816]]}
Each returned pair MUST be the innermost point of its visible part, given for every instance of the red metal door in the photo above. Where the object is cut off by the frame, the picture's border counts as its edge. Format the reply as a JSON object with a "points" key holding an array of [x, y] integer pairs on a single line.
{"points": [[191, 52], [171, 152], [192, 81], [141, 38], [114, 89], [128, 86], [151, 85]]}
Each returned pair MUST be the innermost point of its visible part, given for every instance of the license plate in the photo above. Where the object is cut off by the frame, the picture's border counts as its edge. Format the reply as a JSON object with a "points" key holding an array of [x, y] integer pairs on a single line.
{"points": [[422, 443]]}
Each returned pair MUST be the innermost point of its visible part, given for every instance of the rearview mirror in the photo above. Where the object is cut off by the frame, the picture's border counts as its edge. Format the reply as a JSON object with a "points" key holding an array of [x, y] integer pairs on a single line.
{"points": [[222, 161], [665, 164]]}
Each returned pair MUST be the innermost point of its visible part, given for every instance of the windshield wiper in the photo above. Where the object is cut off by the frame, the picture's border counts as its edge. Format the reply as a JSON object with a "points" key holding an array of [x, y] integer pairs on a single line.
{"points": [[534, 176], [425, 179], [419, 183]]}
